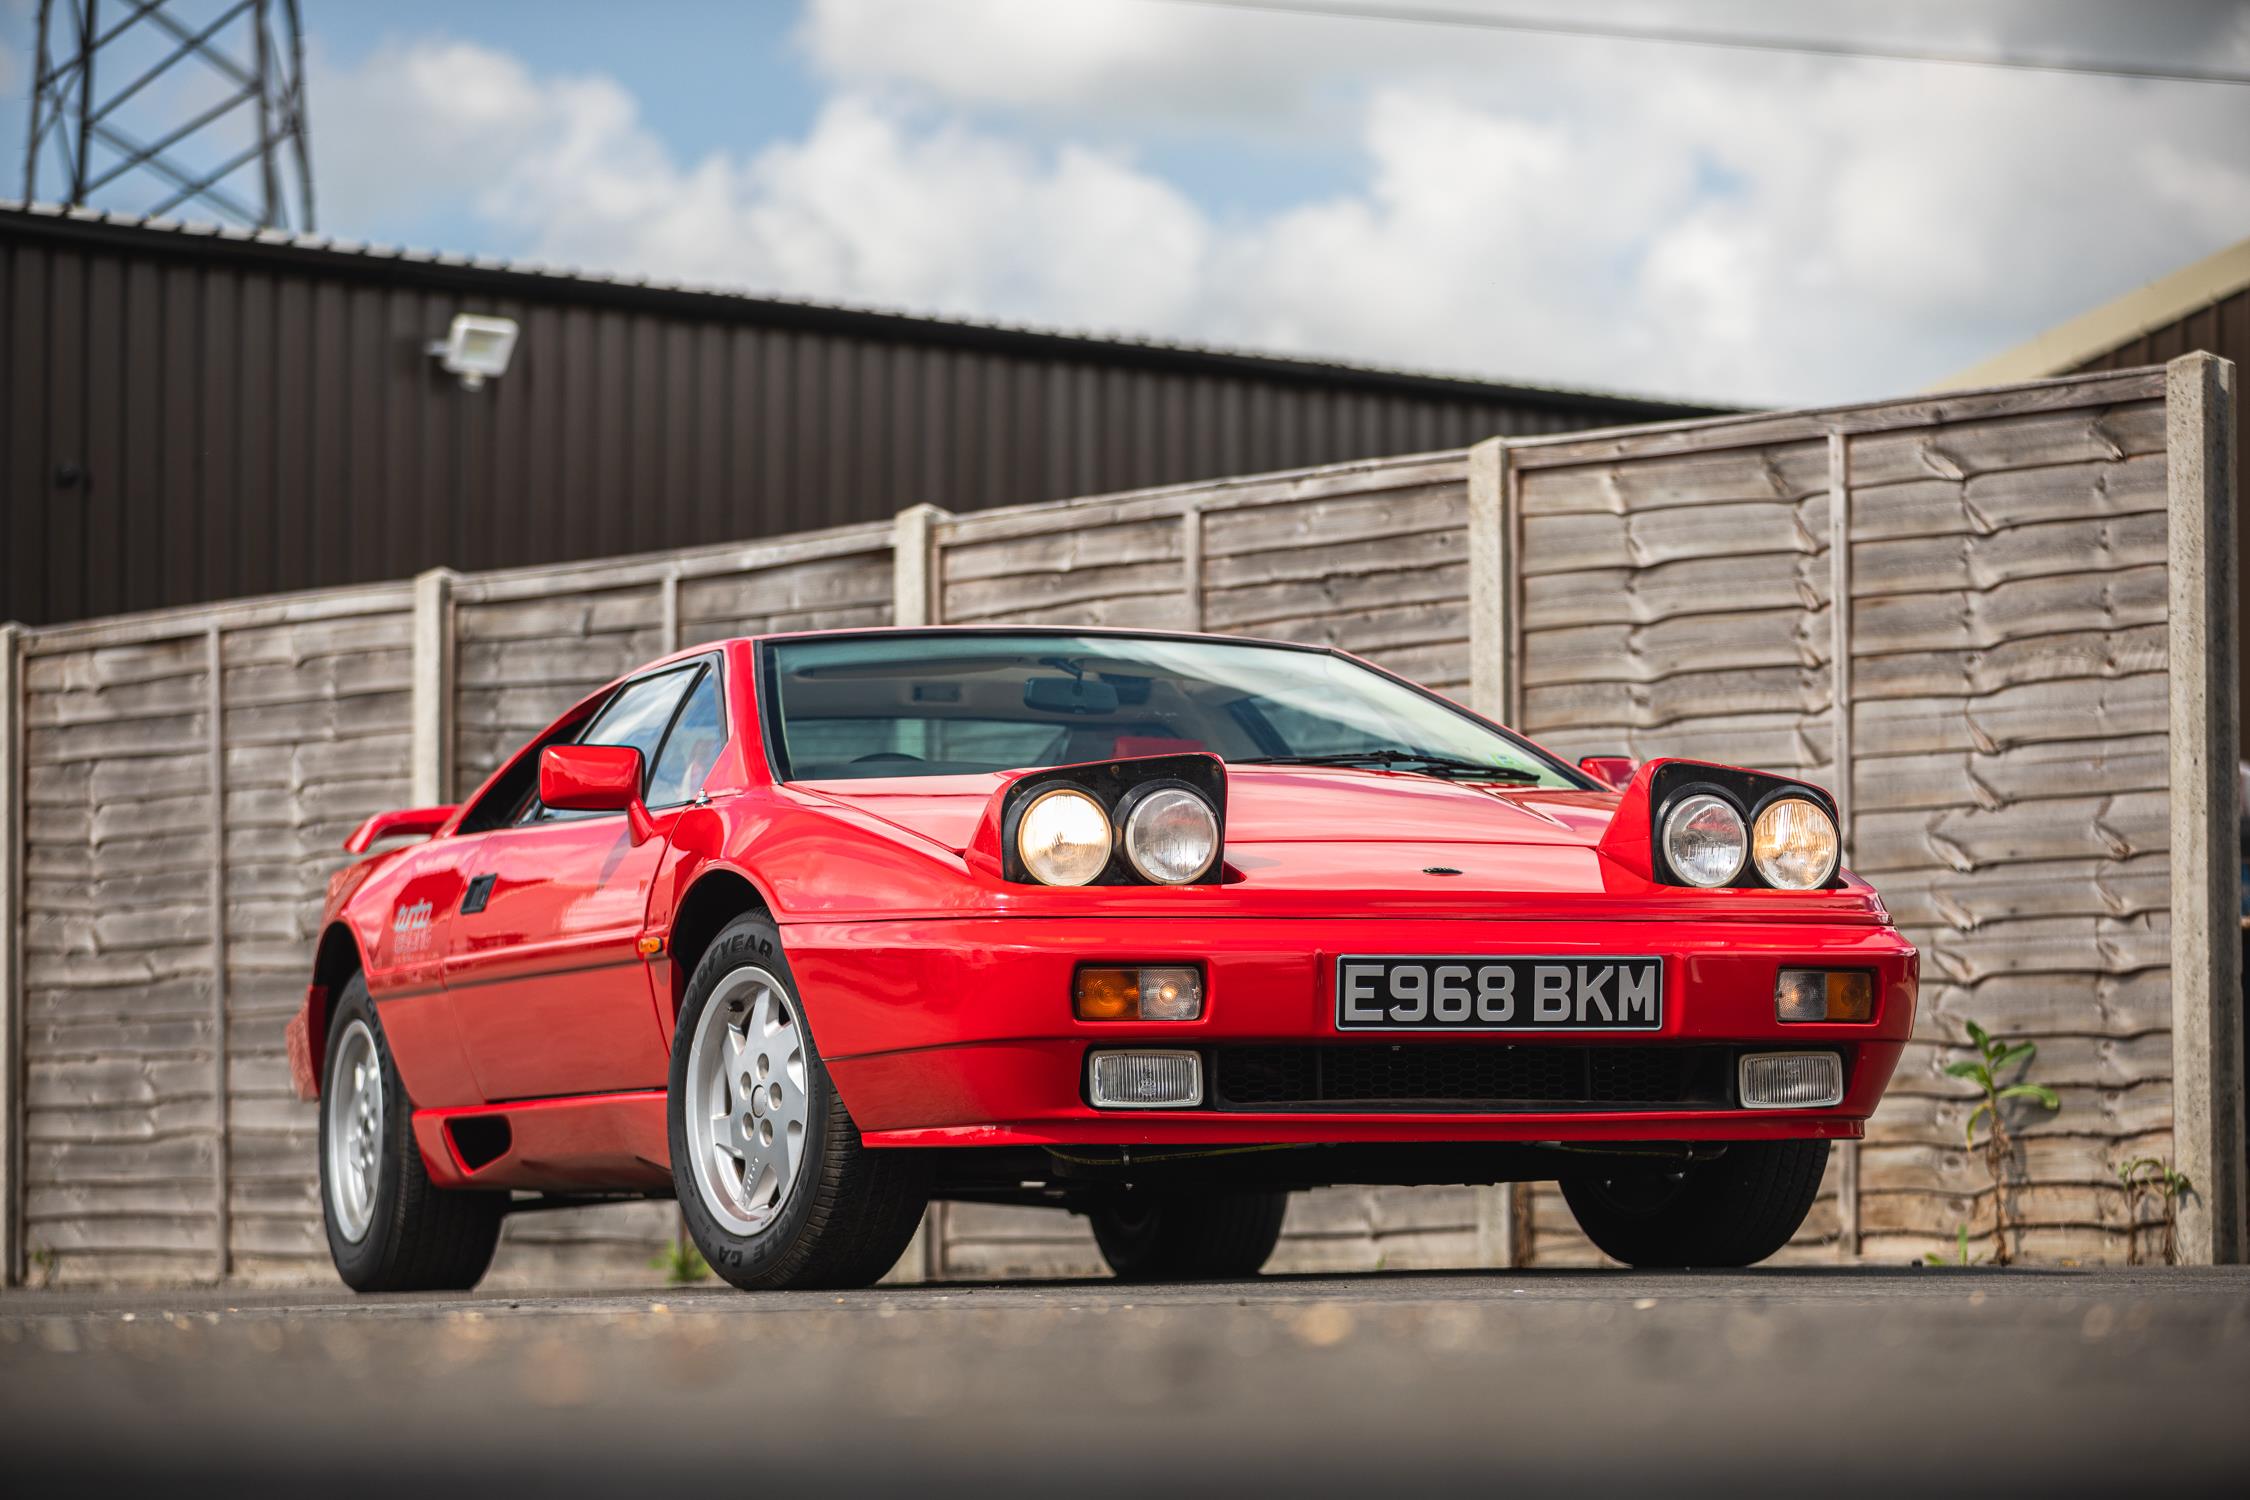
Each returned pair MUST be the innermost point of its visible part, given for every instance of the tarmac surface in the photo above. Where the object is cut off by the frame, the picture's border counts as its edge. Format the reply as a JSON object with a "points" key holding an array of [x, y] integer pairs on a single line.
{"points": [[1851, 1380]]}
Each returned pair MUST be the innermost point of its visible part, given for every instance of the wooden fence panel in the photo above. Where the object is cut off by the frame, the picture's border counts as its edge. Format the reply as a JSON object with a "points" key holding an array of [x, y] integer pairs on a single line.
{"points": [[121, 1115], [2006, 760], [316, 738], [191, 779], [2011, 800], [522, 657], [1371, 558], [1110, 562]]}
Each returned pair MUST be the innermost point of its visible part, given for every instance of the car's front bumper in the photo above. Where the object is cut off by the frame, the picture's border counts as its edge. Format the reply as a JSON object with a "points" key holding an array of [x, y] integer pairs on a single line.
{"points": [[955, 1032]]}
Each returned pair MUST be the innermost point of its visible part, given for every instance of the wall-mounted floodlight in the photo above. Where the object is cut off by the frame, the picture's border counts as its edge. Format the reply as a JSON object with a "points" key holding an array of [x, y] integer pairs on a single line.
{"points": [[476, 348]]}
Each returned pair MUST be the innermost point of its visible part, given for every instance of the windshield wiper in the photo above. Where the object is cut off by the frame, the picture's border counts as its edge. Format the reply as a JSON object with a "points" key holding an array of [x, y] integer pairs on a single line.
{"points": [[1401, 760]]}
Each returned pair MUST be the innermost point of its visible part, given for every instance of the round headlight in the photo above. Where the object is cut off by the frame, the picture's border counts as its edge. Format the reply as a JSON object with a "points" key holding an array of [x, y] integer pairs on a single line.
{"points": [[1704, 840], [1794, 844], [1063, 837], [1171, 836]]}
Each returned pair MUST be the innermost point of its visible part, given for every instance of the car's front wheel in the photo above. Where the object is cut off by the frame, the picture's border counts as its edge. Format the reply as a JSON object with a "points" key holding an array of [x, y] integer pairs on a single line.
{"points": [[1177, 1236], [1734, 1210], [390, 1229], [774, 1183]]}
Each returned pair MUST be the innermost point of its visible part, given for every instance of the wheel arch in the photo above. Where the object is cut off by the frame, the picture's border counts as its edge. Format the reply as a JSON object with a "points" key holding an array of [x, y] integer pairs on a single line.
{"points": [[718, 895], [335, 961]]}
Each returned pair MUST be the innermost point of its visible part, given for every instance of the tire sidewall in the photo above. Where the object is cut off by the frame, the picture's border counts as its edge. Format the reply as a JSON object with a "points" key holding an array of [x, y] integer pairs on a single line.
{"points": [[1128, 1228], [1724, 1214], [360, 1263], [753, 1259]]}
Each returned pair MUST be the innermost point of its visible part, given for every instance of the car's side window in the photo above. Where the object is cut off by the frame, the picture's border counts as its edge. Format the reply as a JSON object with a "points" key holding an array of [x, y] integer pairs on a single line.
{"points": [[637, 716], [693, 746]]}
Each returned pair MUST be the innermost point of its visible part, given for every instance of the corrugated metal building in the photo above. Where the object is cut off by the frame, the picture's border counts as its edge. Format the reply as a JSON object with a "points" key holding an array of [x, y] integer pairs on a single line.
{"points": [[2204, 306], [188, 414]]}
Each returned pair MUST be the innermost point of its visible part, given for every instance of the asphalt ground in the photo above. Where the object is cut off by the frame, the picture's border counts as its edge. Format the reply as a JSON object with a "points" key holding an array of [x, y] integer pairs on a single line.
{"points": [[1847, 1380]]}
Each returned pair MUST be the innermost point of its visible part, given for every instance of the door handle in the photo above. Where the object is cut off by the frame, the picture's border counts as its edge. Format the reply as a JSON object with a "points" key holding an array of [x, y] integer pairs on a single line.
{"points": [[479, 892]]}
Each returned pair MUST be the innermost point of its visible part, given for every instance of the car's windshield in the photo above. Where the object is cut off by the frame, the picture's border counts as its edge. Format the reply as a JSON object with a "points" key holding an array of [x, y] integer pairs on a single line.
{"points": [[954, 704]]}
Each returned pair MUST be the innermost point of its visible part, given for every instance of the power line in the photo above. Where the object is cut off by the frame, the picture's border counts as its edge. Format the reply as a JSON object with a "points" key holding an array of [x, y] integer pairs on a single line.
{"points": [[1430, 15]]}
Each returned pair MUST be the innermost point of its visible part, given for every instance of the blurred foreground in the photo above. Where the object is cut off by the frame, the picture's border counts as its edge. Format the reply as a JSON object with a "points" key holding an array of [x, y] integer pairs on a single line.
{"points": [[1839, 1380]]}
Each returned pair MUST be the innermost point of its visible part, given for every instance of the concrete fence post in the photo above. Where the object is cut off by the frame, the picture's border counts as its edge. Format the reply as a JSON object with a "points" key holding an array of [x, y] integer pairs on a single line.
{"points": [[914, 571], [2203, 638], [915, 601], [1191, 565], [1492, 607], [222, 1176], [12, 836], [668, 611], [1500, 1210], [1841, 698], [433, 686]]}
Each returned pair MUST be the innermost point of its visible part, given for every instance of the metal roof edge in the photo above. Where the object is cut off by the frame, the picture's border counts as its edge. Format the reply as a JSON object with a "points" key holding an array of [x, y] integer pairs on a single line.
{"points": [[501, 277], [2066, 346]]}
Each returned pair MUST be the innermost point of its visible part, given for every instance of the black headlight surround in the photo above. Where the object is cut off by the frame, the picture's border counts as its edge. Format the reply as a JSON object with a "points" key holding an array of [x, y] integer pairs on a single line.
{"points": [[1750, 792], [1117, 785]]}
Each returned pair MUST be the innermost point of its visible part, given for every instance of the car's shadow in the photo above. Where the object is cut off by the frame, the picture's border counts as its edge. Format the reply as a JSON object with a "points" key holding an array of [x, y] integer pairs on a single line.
{"points": [[1617, 1279]]}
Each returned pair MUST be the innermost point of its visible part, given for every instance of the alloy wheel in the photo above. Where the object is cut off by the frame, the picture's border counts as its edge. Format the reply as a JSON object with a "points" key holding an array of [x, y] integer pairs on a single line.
{"points": [[746, 1101], [355, 1131]]}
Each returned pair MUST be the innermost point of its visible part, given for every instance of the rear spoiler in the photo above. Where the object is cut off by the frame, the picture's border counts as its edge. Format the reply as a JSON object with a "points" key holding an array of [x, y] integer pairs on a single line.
{"points": [[399, 823]]}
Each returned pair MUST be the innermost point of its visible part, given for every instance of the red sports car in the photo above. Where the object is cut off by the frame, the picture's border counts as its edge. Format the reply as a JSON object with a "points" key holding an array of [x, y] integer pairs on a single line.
{"points": [[808, 930]]}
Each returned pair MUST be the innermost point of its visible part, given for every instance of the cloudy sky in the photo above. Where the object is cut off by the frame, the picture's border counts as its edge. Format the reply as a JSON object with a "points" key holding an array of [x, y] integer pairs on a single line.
{"points": [[1677, 220]]}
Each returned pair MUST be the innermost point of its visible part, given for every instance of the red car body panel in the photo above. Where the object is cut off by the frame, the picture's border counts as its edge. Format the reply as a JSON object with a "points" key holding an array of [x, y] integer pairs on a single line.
{"points": [[602, 1143], [940, 992], [549, 991]]}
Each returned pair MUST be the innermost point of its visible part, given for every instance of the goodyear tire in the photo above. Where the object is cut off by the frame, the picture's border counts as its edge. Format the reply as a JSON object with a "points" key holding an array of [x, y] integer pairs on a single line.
{"points": [[390, 1229], [1732, 1211], [1177, 1236], [774, 1184]]}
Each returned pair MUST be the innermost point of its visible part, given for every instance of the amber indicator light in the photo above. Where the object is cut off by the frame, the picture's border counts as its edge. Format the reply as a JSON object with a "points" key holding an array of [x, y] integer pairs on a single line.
{"points": [[1107, 995], [1825, 995]]}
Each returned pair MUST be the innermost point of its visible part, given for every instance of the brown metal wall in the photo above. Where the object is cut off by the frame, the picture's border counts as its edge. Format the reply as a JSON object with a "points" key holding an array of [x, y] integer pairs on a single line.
{"points": [[2222, 328], [185, 419]]}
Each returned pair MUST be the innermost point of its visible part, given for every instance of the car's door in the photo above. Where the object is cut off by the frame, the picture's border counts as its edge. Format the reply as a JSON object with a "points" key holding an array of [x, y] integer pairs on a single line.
{"points": [[544, 976]]}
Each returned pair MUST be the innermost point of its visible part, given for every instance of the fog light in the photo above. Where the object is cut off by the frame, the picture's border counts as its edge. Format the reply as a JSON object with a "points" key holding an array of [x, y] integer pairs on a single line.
{"points": [[1824, 995], [1173, 992], [1790, 1080], [1145, 1080]]}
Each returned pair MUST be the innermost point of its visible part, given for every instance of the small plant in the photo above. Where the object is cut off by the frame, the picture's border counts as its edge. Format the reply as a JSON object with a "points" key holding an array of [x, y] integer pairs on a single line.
{"points": [[681, 1263], [2144, 1178], [1960, 1249], [1995, 1056]]}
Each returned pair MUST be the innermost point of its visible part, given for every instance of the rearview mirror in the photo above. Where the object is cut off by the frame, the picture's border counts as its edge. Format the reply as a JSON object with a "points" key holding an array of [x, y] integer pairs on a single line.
{"points": [[595, 778], [1612, 771]]}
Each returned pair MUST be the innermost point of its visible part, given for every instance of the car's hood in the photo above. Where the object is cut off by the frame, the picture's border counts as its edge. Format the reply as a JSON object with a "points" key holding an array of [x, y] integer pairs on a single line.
{"points": [[1288, 824], [1274, 805], [1324, 840]]}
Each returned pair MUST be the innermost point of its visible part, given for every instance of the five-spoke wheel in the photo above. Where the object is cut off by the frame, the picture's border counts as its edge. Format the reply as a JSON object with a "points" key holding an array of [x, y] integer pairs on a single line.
{"points": [[745, 1101], [774, 1183], [390, 1229], [354, 1130]]}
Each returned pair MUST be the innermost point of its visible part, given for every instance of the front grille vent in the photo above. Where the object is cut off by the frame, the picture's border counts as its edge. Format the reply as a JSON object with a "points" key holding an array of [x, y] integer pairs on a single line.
{"points": [[1469, 1077]]}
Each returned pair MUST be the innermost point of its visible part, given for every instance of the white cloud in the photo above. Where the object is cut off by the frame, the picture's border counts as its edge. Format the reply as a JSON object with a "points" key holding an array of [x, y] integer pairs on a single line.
{"points": [[1716, 225], [873, 204]]}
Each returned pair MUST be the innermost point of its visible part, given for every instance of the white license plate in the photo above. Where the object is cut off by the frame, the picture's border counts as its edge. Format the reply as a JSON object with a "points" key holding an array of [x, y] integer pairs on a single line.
{"points": [[1499, 994]]}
